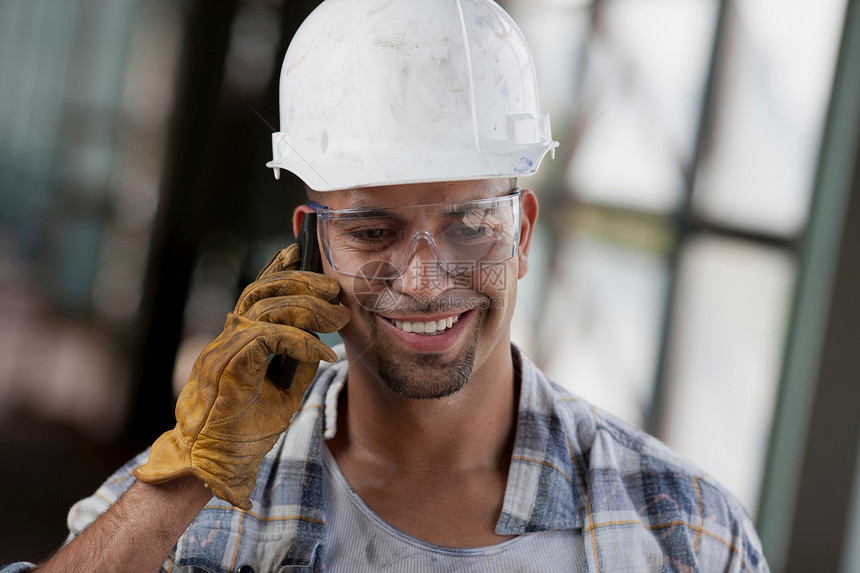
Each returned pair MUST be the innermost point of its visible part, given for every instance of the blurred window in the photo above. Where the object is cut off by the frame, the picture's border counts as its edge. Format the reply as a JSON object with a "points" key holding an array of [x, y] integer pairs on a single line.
{"points": [[662, 278], [775, 76], [85, 100]]}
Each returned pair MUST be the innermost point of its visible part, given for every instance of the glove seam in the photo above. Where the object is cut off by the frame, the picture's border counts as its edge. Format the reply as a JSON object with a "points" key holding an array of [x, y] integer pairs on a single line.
{"points": [[237, 438]]}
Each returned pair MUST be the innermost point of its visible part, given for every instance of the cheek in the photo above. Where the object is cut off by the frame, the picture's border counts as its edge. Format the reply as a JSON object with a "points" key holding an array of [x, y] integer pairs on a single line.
{"points": [[499, 285], [499, 281], [356, 329], [353, 297], [346, 296], [347, 299]]}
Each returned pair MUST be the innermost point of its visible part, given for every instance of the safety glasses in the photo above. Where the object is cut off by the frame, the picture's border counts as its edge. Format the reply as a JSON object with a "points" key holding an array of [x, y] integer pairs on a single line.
{"points": [[381, 243]]}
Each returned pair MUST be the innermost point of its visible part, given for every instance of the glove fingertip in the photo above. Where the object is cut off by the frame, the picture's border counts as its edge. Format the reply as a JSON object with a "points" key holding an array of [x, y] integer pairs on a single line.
{"points": [[327, 324], [330, 355], [344, 317], [284, 259]]}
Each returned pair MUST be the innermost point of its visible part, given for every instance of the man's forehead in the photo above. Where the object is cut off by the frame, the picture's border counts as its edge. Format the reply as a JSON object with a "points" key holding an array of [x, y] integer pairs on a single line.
{"points": [[414, 194]]}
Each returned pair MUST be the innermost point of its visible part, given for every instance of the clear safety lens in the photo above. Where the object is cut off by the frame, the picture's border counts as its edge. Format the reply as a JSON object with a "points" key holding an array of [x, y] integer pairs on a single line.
{"points": [[464, 237]]}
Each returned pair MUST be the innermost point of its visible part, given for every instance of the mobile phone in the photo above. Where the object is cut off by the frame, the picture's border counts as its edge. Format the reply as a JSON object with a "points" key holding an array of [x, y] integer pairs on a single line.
{"points": [[282, 368]]}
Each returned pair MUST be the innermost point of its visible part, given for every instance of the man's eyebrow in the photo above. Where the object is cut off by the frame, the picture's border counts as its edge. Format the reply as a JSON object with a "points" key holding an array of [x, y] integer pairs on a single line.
{"points": [[454, 210], [367, 214], [461, 210]]}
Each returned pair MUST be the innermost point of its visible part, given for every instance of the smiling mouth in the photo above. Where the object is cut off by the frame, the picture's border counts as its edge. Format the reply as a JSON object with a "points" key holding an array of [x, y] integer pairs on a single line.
{"points": [[428, 328]]}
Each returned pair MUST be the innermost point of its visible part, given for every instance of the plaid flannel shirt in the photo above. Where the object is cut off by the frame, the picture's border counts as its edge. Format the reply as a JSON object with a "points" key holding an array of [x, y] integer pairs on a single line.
{"points": [[640, 507]]}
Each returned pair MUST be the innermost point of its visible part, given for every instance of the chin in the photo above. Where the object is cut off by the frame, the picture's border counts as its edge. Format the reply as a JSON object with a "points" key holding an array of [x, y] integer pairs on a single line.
{"points": [[427, 377]]}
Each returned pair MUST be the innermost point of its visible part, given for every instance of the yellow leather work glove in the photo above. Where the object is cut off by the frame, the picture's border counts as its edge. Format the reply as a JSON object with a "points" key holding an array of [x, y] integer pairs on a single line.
{"points": [[229, 415]]}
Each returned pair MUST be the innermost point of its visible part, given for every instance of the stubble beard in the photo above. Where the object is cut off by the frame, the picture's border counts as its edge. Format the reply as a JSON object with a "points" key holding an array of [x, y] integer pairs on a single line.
{"points": [[429, 376]]}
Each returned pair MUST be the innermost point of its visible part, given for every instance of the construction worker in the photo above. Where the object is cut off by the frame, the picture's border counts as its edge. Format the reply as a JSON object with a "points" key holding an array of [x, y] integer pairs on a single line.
{"points": [[428, 442]]}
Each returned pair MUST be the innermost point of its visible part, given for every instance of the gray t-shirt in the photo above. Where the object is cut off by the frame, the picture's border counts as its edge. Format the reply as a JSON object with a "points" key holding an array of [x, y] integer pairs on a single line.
{"points": [[359, 541]]}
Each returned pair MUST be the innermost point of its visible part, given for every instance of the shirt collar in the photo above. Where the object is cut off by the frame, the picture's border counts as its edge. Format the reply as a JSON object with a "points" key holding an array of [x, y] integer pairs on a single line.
{"points": [[546, 484]]}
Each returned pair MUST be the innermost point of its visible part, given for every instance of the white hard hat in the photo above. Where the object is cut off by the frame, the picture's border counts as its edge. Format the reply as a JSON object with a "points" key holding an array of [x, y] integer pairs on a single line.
{"points": [[376, 92]]}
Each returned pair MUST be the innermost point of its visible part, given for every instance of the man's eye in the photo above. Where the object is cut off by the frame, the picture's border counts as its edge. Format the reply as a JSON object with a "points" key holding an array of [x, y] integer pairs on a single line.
{"points": [[469, 234], [372, 236], [474, 232]]}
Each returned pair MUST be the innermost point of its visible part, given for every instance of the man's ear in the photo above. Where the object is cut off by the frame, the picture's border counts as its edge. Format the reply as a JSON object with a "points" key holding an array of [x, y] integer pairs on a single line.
{"points": [[298, 215], [529, 204]]}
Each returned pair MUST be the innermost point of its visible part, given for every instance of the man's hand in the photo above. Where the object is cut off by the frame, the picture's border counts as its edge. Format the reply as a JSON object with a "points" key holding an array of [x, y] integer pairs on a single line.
{"points": [[229, 415]]}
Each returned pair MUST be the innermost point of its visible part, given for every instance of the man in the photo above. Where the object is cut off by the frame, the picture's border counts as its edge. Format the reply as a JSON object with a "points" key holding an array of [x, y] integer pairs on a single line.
{"points": [[431, 443]]}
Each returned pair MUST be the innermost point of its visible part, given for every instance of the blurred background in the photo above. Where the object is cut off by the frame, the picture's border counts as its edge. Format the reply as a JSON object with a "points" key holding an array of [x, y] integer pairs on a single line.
{"points": [[696, 271]]}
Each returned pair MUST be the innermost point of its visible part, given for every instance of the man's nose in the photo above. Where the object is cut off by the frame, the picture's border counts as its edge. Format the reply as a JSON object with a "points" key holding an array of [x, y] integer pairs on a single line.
{"points": [[425, 275]]}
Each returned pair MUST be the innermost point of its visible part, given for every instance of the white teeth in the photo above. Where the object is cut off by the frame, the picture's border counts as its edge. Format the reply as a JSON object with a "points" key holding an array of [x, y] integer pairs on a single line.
{"points": [[429, 327]]}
